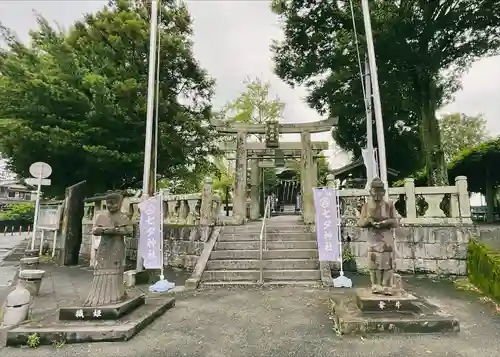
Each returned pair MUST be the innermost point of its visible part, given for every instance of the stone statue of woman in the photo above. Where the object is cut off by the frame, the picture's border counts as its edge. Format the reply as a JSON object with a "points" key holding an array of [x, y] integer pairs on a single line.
{"points": [[107, 286], [379, 217]]}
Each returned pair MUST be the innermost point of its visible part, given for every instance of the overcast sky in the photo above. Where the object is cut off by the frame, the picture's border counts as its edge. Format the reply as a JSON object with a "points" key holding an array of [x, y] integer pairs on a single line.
{"points": [[232, 41]]}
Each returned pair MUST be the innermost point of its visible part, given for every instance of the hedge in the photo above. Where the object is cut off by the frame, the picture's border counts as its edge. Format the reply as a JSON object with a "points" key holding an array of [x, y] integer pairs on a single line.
{"points": [[483, 268]]}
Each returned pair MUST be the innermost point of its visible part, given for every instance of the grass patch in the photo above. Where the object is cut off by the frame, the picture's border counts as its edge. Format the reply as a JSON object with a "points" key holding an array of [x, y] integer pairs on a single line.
{"points": [[483, 269]]}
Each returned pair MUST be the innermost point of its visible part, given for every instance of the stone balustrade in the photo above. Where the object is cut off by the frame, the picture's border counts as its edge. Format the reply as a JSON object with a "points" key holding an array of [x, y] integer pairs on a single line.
{"points": [[187, 218], [435, 227], [416, 205]]}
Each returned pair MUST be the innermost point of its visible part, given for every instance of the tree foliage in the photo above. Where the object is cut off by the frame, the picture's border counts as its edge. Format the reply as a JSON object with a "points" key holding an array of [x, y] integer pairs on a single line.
{"points": [[477, 163], [254, 104], [77, 100], [422, 48], [474, 162], [459, 132], [18, 211], [223, 177], [322, 165]]}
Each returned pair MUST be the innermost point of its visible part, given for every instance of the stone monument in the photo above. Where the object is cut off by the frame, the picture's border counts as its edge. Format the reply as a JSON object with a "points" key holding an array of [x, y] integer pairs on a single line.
{"points": [[107, 298], [108, 313], [112, 226], [386, 306], [378, 216]]}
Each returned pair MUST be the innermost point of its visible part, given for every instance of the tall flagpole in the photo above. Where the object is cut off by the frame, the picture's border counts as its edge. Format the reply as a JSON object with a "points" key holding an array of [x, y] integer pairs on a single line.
{"points": [[148, 145], [369, 124], [376, 93], [369, 154]]}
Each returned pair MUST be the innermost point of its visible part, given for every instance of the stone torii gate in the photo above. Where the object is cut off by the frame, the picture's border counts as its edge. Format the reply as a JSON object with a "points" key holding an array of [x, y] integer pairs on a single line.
{"points": [[257, 151], [272, 130]]}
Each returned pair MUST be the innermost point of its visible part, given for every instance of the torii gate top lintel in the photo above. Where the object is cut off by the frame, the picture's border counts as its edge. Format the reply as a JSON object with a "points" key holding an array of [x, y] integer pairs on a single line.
{"points": [[321, 126]]}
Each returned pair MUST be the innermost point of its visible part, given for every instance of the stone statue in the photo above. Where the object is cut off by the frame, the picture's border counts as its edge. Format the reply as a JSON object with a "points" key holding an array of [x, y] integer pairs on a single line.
{"points": [[112, 225], [379, 217]]}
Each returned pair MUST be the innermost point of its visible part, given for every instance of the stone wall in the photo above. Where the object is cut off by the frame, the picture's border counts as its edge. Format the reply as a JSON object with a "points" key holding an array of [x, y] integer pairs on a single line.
{"points": [[184, 245], [419, 249]]}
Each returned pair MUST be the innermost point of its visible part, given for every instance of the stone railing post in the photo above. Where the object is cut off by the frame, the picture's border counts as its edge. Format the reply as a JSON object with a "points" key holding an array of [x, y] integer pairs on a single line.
{"points": [[411, 206], [330, 181], [206, 217], [463, 199]]}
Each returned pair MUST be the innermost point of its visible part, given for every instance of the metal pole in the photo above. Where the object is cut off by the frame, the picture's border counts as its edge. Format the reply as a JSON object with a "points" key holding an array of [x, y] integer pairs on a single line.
{"points": [[162, 268], [148, 145], [370, 166], [369, 115], [37, 208], [376, 92]]}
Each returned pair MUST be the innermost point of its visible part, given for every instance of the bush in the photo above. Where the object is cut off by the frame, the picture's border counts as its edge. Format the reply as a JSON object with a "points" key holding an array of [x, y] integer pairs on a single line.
{"points": [[483, 268], [18, 212]]}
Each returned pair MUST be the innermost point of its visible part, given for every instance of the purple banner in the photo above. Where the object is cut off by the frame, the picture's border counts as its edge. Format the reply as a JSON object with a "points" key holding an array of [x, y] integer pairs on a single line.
{"points": [[327, 223], [150, 233]]}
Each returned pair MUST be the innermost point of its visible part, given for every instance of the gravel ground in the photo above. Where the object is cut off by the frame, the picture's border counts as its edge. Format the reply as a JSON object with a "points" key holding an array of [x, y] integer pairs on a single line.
{"points": [[283, 322]]}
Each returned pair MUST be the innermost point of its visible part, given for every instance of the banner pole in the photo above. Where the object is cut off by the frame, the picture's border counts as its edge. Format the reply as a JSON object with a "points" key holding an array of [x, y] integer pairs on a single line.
{"points": [[162, 268], [339, 233]]}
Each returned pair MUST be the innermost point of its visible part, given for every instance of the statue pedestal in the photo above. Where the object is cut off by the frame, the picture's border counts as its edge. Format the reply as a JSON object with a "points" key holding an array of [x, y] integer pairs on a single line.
{"points": [[98, 313], [360, 312], [366, 301], [118, 322]]}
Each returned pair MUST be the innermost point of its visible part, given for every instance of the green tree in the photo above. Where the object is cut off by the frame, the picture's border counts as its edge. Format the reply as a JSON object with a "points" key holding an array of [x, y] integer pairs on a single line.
{"points": [[415, 42], [254, 104], [77, 100], [18, 211], [223, 177], [459, 131], [322, 166]]}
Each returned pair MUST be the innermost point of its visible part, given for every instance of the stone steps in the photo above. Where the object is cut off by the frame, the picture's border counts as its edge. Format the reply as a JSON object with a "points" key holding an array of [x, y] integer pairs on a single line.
{"points": [[290, 257], [253, 275], [270, 236], [255, 245], [267, 254], [274, 228], [275, 264], [308, 283]]}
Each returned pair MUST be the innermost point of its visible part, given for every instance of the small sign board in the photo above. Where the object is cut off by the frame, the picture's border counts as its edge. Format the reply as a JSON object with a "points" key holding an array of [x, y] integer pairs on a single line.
{"points": [[34, 181], [49, 217], [40, 169], [267, 163]]}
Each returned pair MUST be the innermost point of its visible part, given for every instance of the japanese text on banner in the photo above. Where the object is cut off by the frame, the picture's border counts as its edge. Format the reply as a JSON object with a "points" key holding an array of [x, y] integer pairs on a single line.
{"points": [[150, 232], [327, 223]]}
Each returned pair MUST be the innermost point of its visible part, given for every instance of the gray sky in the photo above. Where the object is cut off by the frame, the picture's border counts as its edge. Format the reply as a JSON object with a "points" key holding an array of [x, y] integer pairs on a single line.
{"points": [[232, 41]]}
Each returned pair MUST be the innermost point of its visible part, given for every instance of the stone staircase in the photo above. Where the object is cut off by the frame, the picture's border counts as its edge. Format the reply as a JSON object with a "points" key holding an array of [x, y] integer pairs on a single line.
{"points": [[291, 257]]}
